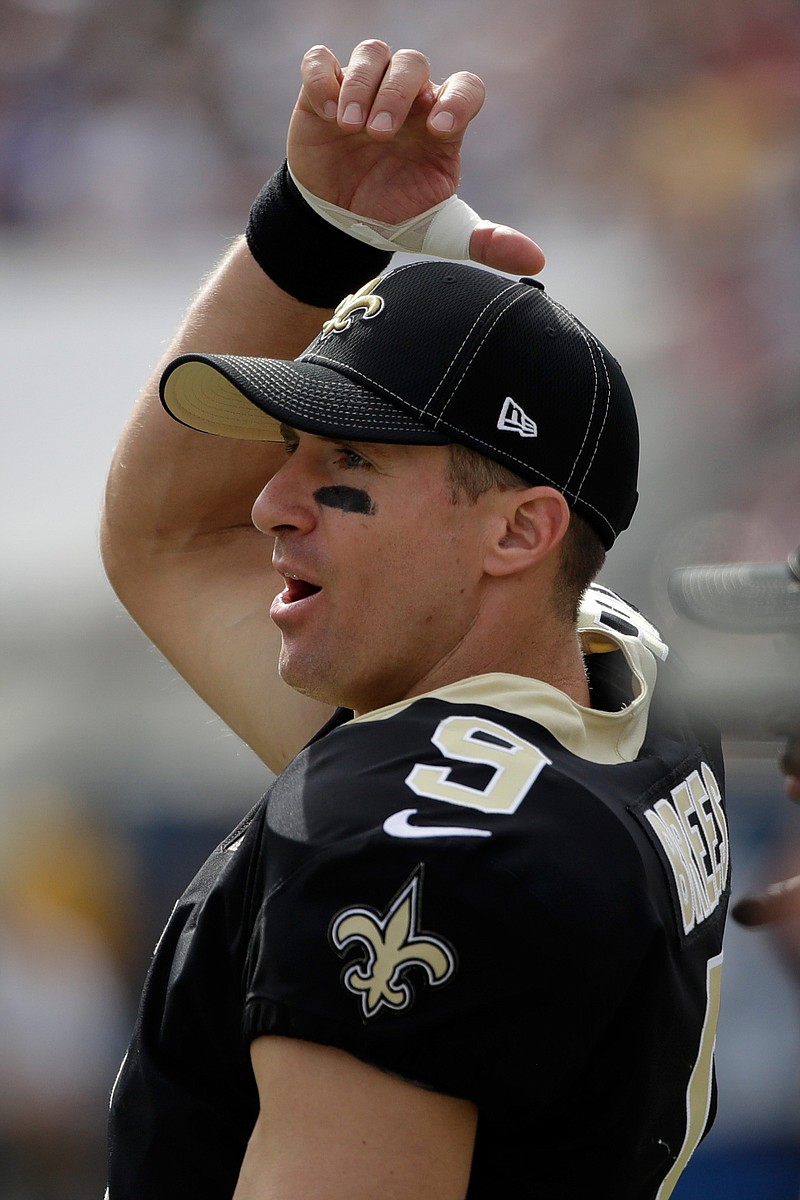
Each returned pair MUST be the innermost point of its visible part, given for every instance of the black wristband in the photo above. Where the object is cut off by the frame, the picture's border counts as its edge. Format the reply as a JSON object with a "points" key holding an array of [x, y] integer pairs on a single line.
{"points": [[303, 253]]}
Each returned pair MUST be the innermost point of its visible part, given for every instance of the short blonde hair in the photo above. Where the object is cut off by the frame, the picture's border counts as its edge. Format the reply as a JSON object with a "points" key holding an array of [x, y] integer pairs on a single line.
{"points": [[470, 474]]}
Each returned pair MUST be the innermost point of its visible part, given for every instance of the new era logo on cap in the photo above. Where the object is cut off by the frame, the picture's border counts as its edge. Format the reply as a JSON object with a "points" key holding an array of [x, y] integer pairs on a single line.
{"points": [[514, 419]]}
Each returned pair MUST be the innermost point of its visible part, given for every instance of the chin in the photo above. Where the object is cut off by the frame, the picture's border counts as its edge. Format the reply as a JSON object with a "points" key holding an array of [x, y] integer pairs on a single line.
{"points": [[311, 680], [316, 677]]}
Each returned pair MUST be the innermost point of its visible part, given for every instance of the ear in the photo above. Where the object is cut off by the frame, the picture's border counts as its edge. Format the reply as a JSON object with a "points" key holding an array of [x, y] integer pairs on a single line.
{"points": [[533, 523]]}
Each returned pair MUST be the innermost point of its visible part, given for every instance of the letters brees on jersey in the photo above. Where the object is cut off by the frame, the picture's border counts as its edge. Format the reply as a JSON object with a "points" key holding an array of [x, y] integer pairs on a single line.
{"points": [[690, 825]]}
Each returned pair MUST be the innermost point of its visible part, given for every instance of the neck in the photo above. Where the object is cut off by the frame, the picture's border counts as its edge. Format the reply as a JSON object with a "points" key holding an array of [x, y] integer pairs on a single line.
{"points": [[548, 650]]}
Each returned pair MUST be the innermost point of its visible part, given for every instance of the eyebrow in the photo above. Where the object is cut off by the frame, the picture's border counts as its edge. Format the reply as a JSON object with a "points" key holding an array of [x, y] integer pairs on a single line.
{"points": [[376, 449]]}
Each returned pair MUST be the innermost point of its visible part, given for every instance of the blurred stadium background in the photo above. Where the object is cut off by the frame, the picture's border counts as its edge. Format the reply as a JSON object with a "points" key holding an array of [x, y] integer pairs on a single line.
{"points": [[653, 148]]}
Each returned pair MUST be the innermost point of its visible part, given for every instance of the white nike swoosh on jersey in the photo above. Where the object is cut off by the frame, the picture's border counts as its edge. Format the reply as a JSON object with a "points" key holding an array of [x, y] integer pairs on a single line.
{"points": [[399, 825]]}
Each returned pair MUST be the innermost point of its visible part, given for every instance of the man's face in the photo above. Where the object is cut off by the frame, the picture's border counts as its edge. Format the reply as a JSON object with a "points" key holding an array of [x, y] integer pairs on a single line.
{"points": [[382, 573]]}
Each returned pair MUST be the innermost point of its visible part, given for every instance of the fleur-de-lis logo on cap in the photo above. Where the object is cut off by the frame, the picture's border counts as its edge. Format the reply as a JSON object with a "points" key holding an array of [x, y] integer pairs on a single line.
{"points": [[362, 300], [392, 943]]}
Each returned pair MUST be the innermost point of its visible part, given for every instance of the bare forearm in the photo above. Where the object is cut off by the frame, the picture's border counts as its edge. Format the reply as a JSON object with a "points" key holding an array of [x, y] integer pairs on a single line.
{"points": [[169, 485]]}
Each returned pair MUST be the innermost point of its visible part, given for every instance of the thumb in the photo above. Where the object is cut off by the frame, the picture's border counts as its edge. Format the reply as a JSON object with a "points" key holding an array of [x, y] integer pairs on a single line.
{"points": [[505, 249]]}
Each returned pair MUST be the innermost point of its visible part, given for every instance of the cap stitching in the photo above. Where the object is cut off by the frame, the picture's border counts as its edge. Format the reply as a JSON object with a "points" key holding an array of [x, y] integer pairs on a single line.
{"points": [[307, 406], [509, 302], [494, 300], [425, 408], [583, 334], [605, 414]]}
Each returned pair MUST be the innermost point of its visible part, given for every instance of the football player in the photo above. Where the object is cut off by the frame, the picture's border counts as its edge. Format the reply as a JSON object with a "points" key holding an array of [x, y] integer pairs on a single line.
{"points": [[469, 943]]}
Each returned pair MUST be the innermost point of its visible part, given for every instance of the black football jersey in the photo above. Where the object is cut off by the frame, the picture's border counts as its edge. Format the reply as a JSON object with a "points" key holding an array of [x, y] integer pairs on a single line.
{"points": [[487, 890]]}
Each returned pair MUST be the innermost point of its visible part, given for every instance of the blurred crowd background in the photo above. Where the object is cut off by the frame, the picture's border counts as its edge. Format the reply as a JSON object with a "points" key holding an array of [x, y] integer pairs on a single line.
{"points": [[652, 147]]}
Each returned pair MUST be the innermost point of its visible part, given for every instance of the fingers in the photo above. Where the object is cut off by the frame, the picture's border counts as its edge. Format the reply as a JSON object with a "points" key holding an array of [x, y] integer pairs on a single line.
{"points": [[775, 903], [374, 92], [458, 100], [505, 249], [377, 90], [321, 76], [388, 97], [380, 88]]}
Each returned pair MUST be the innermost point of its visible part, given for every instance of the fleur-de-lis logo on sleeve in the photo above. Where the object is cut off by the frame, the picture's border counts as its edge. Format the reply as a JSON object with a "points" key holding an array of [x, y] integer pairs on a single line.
{"points": [[364, 300], [391, 943]]}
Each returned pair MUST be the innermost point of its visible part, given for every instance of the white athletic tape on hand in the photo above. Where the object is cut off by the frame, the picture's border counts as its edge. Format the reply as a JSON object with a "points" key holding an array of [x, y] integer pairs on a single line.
{"points": [[443, 231]]}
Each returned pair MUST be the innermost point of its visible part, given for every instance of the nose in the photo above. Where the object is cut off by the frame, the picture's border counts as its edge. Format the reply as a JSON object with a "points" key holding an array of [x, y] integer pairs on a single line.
{"points": [[285, 503]]}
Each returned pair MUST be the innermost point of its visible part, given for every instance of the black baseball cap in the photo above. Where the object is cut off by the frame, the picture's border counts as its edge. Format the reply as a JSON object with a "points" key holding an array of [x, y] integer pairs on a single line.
{"points": [[436, 352], [755, 597]]}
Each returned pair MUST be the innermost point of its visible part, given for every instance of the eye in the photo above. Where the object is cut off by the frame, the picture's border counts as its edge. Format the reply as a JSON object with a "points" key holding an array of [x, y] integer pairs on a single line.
{"points": [[290, 439], [351, 460]]}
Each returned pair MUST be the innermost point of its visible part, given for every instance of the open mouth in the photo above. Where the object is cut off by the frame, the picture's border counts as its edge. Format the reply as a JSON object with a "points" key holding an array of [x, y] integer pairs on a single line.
{"points": [[297, 589]]}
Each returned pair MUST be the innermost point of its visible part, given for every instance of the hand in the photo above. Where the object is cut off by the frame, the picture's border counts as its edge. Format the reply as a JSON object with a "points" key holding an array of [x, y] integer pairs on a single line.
{"points": [[781, 900], [380, 139]]}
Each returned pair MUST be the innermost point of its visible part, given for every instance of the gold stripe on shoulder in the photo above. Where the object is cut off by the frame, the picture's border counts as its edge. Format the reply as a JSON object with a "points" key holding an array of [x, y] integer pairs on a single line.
{"points": [[591, 734]]}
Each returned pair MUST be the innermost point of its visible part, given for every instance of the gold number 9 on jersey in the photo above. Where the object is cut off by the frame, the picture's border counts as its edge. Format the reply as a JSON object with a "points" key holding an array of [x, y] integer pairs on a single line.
{"points": [[515, 764]]}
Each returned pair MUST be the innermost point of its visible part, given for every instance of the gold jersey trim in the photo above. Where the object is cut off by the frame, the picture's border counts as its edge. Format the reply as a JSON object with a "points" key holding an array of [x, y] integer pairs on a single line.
{"points": [[592, 734]]}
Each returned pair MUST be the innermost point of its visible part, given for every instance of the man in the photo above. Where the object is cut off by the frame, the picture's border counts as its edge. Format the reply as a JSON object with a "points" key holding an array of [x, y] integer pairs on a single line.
{"points": [[469, 944]]}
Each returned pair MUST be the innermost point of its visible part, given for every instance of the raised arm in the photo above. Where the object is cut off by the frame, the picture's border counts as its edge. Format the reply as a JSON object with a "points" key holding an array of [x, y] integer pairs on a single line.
{"points": [[380, 139], [177, 540]]}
